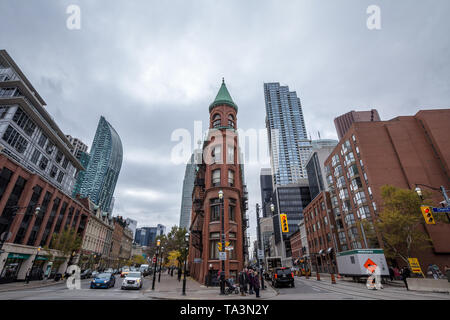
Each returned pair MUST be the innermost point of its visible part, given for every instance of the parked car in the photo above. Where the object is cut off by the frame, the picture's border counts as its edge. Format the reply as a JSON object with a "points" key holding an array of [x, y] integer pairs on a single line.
{"points": [[109, 270], [103, 280], [283, 276], [144, 268], [94, 273], [85, 274], [133, 280]]}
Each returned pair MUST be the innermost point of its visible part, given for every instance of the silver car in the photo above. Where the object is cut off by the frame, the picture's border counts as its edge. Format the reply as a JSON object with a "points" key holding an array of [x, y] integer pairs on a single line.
{"points": [[133, 280]]}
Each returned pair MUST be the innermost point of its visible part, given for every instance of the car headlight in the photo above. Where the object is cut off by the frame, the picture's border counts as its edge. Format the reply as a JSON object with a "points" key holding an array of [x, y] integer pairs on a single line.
{"points": [[105, 281]]}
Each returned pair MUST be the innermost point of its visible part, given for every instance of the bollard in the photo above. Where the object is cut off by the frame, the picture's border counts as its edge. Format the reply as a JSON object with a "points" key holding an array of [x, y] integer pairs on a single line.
{"points": [[333, 280]]}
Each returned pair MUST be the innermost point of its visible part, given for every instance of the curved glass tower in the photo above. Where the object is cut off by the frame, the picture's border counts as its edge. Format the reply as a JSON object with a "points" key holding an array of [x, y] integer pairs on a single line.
{"points": [[105, 161]]}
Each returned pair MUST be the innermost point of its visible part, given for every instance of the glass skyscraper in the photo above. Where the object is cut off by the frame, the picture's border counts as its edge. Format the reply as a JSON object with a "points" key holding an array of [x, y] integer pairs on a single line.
{"points": [[288, 141], [186, 201], [105, 161]]}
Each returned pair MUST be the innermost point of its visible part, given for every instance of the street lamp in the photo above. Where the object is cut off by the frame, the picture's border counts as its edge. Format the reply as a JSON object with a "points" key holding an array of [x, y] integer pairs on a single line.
{"points": [[186, 239], [222, 275], [160, 263], [158, 242]]}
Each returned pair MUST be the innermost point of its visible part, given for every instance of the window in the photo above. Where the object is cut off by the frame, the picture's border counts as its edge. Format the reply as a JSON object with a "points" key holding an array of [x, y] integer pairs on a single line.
{"points": [[43, 163], [232, 212], [42, 140], [216, 120], [230, 120], [214, 235], [60, 176], [3, 111], [15, 140], [215, 209], [230, 154], [35, 156], [325, 221], [59, 156], [216, 178], [53, 171], [214, 249], [231, 178], [232, 235], [217, 154], [24, 122], [65, 163], [50, 147]]}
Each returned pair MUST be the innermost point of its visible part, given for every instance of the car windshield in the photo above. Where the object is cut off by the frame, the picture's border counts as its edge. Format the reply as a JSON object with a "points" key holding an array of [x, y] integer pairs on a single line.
{"points": [[283, 271], [104, 276], [134, 274]]}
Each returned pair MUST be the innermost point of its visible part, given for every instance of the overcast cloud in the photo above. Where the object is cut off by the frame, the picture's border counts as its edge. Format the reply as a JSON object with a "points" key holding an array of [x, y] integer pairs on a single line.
{"points": [[151, 67]]}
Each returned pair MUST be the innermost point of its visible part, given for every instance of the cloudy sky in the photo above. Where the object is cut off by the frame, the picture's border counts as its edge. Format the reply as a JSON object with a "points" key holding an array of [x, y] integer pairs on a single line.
{"points": [[151, 67]]}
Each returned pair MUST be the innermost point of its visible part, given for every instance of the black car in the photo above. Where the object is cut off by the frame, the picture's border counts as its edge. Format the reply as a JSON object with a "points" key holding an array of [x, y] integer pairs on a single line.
{"points": [[283, 276]]}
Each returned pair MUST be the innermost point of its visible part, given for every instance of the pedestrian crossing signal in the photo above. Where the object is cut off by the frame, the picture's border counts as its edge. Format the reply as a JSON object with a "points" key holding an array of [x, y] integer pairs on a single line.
{"points": [[426, 212], [284, 223]]}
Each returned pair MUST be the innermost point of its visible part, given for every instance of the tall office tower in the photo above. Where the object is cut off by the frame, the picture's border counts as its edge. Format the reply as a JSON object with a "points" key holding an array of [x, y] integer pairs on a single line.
{"points": [[345, 121], [132, 224], [186, 200], [265, 179], [288, 141], [78, 146], [160, 230], [84, 160], [146, 236], [104, 165], [218, 216]]}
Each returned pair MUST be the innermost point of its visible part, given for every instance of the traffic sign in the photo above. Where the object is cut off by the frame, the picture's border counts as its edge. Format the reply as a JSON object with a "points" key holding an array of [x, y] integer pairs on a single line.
{"points": [[222, 256], [370, 265], [415, 266], [440, 210], [260, 254], [154, 259], [229, 248]]}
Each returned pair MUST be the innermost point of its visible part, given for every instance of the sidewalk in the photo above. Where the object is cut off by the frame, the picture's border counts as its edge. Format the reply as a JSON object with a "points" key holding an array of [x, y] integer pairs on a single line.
{"points": [[327, 277], [171, 288], [22, 285]]}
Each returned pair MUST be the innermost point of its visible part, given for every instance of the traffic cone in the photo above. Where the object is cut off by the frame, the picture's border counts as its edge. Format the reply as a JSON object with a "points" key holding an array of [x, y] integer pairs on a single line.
{"points": [[333, 279]]}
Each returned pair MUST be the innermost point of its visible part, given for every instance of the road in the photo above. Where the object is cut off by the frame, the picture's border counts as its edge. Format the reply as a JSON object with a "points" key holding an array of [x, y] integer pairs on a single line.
{"points": [[311, 289]]}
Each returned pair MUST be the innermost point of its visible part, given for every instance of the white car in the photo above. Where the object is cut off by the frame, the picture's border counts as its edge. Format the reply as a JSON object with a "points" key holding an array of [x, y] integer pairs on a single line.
{"points": [[133, 280]]}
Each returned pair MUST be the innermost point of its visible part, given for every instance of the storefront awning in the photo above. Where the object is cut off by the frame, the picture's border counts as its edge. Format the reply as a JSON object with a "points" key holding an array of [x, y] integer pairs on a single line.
{"points": [[18, 256]]}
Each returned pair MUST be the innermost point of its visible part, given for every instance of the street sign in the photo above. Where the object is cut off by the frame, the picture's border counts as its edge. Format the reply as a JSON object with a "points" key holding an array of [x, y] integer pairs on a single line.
{"points": [[415, 266], [222, 256], [441, 209], [197, 260], [154, 259], [284, 223], [260, 254], [229, 248], [370, 265]]}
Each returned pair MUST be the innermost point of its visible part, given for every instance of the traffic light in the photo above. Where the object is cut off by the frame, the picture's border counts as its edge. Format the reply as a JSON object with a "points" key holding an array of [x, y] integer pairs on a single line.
{"points": [[284, 223], [219, 245], [227, 243], [426, 212]]}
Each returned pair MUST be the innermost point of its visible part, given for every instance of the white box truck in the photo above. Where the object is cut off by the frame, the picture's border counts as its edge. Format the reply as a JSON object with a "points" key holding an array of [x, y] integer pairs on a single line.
{"points": [[353, 263]]}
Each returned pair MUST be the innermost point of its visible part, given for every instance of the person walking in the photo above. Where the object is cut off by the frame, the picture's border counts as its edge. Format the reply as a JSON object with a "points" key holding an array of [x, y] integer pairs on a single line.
{"points": [[179, 274], [250, 281], [221, 278], [242, 281], [28, 275], [406, 273], [391, 273], [256, 284], [396, 273]]}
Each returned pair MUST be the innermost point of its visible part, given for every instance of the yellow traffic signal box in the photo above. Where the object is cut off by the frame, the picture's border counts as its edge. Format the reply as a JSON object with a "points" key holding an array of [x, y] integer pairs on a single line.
{"points": [[427, 215], [284, 223], [219, 245]]}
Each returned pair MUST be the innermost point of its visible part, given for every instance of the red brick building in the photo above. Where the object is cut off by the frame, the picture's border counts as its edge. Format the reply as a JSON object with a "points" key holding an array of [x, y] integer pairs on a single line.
{"points": [[219, 170], [403, 152], [21, 193], [296, 245], [345, 121]]}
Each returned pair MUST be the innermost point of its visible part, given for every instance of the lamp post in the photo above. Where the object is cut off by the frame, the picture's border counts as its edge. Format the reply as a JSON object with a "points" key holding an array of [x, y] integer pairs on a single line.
{"points": [[160, 263], [186, 238], [258, 229], [158, 242], [223, 238], [442, 189]]}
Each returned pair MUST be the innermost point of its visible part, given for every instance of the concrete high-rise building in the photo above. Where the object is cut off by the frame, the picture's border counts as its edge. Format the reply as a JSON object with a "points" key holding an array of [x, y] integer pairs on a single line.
{"points": [[146, 236], [186, 200], [132, 225], [160, 230], [219, 171], [288, 141], [402, 152], [78, 146], [265, 179], [345, 121], [105, 161]]}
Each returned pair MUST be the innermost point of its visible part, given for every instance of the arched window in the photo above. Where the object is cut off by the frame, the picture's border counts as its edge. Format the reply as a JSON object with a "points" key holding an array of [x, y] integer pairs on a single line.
{"points": [[231, 120], [216, 120]]}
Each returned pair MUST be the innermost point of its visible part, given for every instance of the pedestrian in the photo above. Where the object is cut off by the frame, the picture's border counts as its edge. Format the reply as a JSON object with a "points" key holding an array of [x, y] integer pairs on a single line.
{"points": [[256, 284], [396, 274], [28, 275], [242, 281], [179, 274], [406, 273], [221, 278], [391, 273], [250, 281]]}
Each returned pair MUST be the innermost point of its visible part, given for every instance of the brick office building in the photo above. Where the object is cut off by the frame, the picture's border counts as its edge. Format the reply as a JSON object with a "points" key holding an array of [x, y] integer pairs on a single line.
{"points": [[403, 152], [219, 170], [345, 121]]}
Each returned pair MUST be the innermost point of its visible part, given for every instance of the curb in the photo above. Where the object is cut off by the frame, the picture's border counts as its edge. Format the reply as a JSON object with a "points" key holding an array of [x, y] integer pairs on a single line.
{"points": [[31, 287]]}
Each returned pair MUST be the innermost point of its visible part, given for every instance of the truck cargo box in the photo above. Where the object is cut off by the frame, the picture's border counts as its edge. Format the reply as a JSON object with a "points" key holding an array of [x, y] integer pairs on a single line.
{"points": [[353, 263]]}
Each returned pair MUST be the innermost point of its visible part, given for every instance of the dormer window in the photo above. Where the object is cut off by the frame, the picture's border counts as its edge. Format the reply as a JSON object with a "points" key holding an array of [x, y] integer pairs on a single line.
{"points": [[216, 120]]}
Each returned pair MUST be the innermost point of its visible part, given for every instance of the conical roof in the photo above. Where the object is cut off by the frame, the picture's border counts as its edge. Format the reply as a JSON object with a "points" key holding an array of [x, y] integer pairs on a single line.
{"points": [[223, 97]]}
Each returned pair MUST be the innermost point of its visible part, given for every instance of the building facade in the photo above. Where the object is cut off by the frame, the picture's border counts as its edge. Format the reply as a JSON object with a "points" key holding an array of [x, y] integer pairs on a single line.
{"points": [[219, 171], [132, 225], [403, 152], [78, 146], [288, 142], [126, 245], [116, 243], [105, 160], [186, 200], [345, 121], [266, 184], [146, 236]]}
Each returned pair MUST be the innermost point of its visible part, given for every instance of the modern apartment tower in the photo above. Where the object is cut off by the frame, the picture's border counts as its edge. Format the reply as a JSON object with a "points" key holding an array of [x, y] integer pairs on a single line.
{"points": [[288, 141], [78, 146], [105, 161], [345, 121], [186, 200]]}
